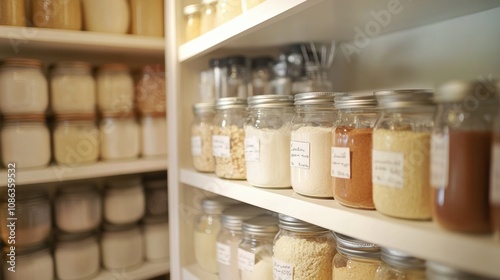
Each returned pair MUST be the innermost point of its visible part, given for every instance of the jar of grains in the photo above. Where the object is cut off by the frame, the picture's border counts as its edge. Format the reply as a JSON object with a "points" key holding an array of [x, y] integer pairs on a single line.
{"points": [[72, 88], [124, 200], [227, 10], [207, 228], [302, 251], [399, 265], [256, 249], [150, 90], [351, 155], [120, 136], [355, 259], [495, 172], [12, 13], [192, 14], [156, 236], [460, 155], [122, 247], [310, 145], [401, 154], [438, 271], [230, 237], [228, 140], [208, 12], [76, 255], [111, 16], [154, 135], [25, 141], [201, 137], [59, 14], [34, 262], [23, 87], [267, 140], [156, 195], [115, 88]]}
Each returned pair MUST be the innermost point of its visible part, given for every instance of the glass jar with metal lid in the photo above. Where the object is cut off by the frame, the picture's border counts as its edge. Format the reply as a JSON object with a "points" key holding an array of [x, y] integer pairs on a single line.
{"points": [[351, 159], [237, 76], [122, 247], [355, 259], [461, 155], [120, 136], [124, 200], [495, 172], [401, 153], [256, 249], [227, 10], [115, 88], [267, 140], [303, 250], [261, 76], [76, 255], [208, 13], [398, 265], [311, 141], [228, 140], [439, 271], [192, 14], [201, 137], [33, 262]]}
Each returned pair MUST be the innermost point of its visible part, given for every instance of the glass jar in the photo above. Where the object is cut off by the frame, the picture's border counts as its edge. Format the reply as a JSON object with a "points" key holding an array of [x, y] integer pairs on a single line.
{"points": [[156, 195], [398, 265], [59, 14], [229, 238], [303, 250], [355, 259], [147, 17], [315, 79], [110, 16], [77, 256], [267, 140], [261, 76], [460, 155], [12, 13], [438, 271], [124, 200], [33, 262], [282, 83], [150, 96], [122, 247], [351, 152], [249, 4], [76, 139], [310, 145], [154, 135], [228, 140], [72, 88], [208, 13], [120, 136], [115, 88], [33, 222], [23, 87], [495, 173], [237, 77], [206, 230], [256, 249], [78, 208], [218, 69], [156, 236], [201, 137], [192, 14], [401, 154], [227, 10], [25, 140]]}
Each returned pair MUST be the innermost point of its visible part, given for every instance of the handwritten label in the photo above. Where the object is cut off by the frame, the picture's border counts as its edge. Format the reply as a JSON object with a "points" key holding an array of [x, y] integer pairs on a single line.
{"points": [[439, 159], [221, 146], [299, 154], [223, 254], [388, 169], [252, 149], [495, 176], [282, 270], [341, 163], [246, 260], [196, 146]]}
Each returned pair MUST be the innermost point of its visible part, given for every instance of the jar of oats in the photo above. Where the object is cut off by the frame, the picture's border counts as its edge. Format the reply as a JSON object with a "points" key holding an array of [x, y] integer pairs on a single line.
{"points": [[201, 137], [228, 140]]}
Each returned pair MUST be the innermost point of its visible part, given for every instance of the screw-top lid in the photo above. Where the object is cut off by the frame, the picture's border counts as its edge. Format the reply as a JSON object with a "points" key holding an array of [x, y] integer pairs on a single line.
{"points": [[118, 115], [24, 118], [262, 61], [199, 108], [217, 62], [456, 91], [435, 268], [355, 101], [270, 101], [355, 247], [62, 236], [216, 204], [235, 60], [23, 62], [315, 98], [192, 9], [261, 225], [124, 181], [232, 218], [75, 117], [290, 223], [404, 98], [230, 103], [400, 259], [73, 64]]}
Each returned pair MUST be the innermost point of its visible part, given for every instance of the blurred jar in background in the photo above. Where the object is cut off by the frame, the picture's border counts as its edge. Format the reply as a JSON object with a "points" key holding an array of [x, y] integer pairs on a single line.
{"points": [[147, 17], [111, 16], [12, 13], [59, 14], [150, 90]]}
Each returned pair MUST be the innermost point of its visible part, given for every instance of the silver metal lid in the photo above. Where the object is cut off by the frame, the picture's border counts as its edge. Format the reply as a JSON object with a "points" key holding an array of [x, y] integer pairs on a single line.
{"points": [[354, 101], [203, 108], [261, 225], [400, 259], [232, 218], [404, 98], [230, 103], [270, 101], [456, 91], [315, 98], [434, 268], [290, 223], [356, 247], [216, 204]]}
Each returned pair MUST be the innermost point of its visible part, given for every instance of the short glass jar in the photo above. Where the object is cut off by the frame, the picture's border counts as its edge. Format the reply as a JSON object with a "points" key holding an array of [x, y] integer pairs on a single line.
{"points": [[115, 88], [303, 250], [147, 17], [438, 271], [110, 16], [192, 14], [351, 159], [256, 249], [34, 262], [310, 145], [156, 194], [201, 137], [122, 247], [58, 14], [120, 136], [461, 155], [75, 139], [355, 259], [495, 172], [156, 236], [23, 87], [208, 13], [77, 208], [72, 88], [227, 10], [150, 94], [76, 256], [124, 200], [12, 13], [228, 140], [25, 141], [401, 154], [267, 140], [399, 265], [154, 135]]}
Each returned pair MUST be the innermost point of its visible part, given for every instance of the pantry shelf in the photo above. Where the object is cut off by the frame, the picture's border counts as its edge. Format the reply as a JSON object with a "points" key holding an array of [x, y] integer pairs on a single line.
{"points": [[145, 271], [194, 272], [424, 239], [57, 173]]}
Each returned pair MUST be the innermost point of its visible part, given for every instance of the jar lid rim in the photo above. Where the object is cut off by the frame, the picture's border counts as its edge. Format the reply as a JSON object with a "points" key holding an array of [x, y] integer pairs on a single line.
{"points": [[262, 224], [270, 100], [75, 116], [24, 117], [293, 224], [404, 98], [401, 259], [113, 66], [22, 62], [230, 103]]}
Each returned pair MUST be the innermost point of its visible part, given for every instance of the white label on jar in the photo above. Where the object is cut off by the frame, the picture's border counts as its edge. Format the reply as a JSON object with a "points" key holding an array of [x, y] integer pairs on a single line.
{"points": [[341, 163], [282, 270], [299, 154], [495, 176], [440, 143], [246, 260], [196, 146], [388, 169], [223, 254], [252, 149], [221, 146]]}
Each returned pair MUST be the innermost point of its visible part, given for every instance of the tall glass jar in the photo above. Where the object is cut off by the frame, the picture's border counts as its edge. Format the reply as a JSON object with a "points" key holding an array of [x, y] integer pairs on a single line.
{"points": [[33, 262], [495, 172], [355, 259], [352, 149], [310, 145], [227, 10], [120, 136], [398, 265], [438, 271], [59, 14], [76, 256], [192, 14], [110, 16], [115, 88], [401, 154], [201, 137], [12, 13], [237, 77], [303, 250], [460, 155], [267, 140], [256, 249], [147, 17], [228, 140], [208, 12]]}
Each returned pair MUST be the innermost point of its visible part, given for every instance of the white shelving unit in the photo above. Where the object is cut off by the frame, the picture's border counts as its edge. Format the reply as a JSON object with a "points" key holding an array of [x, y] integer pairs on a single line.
{"points": [[417, 44]]}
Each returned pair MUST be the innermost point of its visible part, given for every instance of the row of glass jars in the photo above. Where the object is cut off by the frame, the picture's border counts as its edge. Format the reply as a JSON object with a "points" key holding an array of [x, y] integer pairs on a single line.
{"points": [[24, 88], [321, 151]]}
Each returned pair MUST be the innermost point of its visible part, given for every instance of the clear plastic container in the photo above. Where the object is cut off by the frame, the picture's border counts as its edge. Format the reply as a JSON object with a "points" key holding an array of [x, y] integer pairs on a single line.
{"points": [[147, 17], [122, 247], [77, 256], [115, 88], [192, 14], [355, 259], [12, 13], [398, 265], [120, 136], [34, 262], [110, 16], [124, 200], [59, 14], [201, 137], [208, 15]]}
